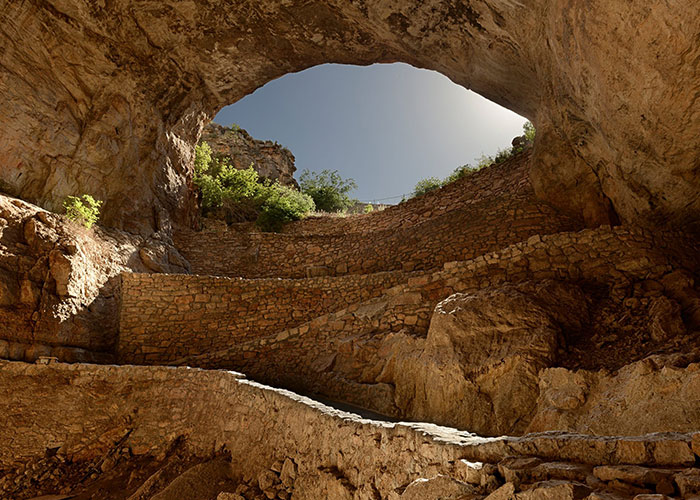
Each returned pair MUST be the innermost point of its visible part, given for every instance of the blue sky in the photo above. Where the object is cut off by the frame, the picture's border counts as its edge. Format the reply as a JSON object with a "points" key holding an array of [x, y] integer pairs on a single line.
{"points": [[387, 126]]}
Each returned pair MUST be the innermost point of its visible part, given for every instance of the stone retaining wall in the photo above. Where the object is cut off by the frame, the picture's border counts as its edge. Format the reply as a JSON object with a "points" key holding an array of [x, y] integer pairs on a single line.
{"points": [[82, 412], [610, 257], [166, 317], [509, 178], [606, 256], [419, 235]]}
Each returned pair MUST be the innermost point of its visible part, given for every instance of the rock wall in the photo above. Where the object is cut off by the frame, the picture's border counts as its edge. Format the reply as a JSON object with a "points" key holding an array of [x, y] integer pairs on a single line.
{"points": [[171, 316], [110, 99], [270, 160], [488, 210], [59, 290], [101, 419]]}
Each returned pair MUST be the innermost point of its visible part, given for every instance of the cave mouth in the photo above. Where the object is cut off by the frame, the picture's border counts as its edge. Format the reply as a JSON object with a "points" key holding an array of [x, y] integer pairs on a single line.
{"points": [[387, 126]]}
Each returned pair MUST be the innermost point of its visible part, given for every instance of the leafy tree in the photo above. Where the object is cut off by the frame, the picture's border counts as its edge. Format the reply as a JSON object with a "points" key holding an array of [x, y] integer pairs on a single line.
{"points": [[328, 190], [426, 185], [83, 209]]}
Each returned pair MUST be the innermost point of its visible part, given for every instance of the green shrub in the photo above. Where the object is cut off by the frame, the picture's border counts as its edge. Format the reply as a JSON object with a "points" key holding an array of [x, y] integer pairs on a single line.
{"points": [[328, 190], [82, 209], [202, 158], [281, 205], [459, 173], [240, 195], [368, 208], [529, 131], [484, 161], [426, 185]]}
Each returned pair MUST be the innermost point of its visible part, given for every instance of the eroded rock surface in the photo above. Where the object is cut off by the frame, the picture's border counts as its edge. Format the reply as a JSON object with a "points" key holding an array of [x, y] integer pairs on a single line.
{"points": [[110, 98], [641, 394], [59, 282], [269, 159], [98, 432], [479, 366]]}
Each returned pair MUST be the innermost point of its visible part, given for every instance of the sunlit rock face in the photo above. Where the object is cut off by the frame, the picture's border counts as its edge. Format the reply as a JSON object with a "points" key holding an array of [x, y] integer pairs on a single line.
{"points": [[270, 160], [109, 97]]}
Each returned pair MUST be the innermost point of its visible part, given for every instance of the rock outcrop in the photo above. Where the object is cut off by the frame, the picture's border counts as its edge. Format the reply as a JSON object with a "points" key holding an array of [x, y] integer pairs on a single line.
{"points": [[479, 366], [59, 282], [269, 159], [110, 98]]}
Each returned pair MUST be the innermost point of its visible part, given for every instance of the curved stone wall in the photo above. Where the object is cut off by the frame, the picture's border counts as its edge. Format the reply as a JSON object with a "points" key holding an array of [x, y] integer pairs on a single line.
{"points": [[171, 316], [488, 210], [100, 423]]}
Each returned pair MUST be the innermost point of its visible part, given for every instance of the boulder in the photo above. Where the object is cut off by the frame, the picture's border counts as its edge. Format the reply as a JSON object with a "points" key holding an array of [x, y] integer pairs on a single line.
{"points": [[478, 369], [442, 487]]}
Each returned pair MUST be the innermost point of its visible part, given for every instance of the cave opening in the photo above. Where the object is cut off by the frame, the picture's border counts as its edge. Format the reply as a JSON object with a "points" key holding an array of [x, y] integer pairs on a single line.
{"points": [[386, 126]]}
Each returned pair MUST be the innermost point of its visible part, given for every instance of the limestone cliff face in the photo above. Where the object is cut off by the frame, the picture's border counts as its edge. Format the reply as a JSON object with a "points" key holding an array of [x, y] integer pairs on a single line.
{"points": [[109, 98], [268, 158]]}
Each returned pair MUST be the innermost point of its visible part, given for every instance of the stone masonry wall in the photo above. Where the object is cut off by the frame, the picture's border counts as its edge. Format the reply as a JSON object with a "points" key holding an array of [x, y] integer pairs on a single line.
{"points": [[507, 178], [613, 257], [166, 317], [295, 358], [488, 210], [81, 412]]}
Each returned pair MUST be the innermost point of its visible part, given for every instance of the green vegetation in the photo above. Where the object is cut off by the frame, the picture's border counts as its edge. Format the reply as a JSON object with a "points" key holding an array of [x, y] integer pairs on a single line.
{"points": [[431, 183], [82, 209], [426, 185], [529, 130], [328, 190], [240, 195], [368, 208], [232, 130], [281, 205]]}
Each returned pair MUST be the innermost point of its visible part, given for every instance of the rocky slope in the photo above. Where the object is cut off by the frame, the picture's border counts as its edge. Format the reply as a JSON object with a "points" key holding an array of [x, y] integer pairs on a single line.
{"points": [[110, 98], [269, 159]]}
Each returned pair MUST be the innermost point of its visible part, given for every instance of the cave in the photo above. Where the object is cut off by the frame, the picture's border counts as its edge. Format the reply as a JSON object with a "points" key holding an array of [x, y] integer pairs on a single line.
{"points": [[530, 330], [110, 99]]}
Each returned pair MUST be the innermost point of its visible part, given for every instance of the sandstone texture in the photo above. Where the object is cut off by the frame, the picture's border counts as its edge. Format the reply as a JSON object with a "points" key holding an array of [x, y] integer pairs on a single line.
{"points": [[479, 366], [109, 98], [269, 159]]}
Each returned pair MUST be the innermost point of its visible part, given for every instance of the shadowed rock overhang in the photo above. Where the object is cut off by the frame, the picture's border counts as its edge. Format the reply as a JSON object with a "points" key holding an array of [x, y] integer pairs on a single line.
{"points": [[110, 98]]}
